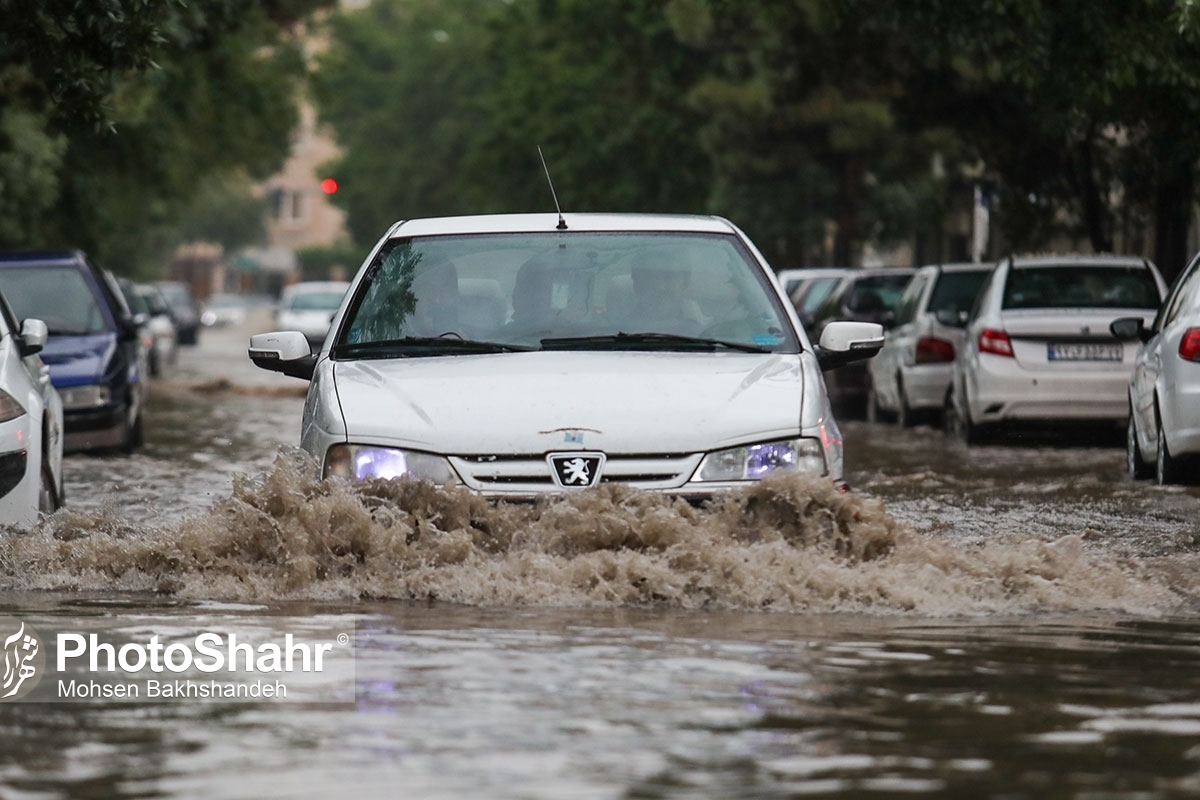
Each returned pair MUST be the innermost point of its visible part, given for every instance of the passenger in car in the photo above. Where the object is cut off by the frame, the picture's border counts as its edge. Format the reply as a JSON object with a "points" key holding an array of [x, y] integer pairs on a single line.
{"points": [[661, 302]]}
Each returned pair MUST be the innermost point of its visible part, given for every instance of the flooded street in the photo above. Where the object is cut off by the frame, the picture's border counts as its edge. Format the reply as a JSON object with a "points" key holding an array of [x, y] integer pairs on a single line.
{"points": [[1009, 621]]}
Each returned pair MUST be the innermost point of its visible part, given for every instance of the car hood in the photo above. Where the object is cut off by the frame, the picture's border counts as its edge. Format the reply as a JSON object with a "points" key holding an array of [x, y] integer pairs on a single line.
{"points": [[522, 403], [78, 360]]}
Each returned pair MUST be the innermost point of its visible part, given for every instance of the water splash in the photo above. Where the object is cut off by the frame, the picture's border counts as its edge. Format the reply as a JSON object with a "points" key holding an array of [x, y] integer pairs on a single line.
{"points": [[786, 544]]}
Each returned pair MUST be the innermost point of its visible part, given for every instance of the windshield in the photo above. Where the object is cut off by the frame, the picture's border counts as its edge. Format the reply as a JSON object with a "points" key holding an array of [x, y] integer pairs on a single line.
{"points": [[580, 291], [1081, 286], [956, 291], [59, 296]]}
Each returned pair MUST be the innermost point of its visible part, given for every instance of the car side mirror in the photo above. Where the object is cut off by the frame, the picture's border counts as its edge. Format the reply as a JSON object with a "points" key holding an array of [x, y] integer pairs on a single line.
{"points": [[34, 334], [1127, 328], [951, 318], [283, 351], [845, 342], [141, 318]]}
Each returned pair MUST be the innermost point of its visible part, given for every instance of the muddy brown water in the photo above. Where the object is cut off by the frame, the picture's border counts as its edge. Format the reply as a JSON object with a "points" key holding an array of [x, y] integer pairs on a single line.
{"points": [[1011, 621]]}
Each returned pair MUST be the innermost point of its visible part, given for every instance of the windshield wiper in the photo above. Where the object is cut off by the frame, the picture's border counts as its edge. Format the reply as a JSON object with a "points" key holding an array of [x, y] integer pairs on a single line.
{"points": [[423, 346], [647, 341]]}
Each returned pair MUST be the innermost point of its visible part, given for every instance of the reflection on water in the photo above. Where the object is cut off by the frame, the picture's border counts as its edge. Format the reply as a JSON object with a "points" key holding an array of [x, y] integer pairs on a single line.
{"points": [[995, 622]]}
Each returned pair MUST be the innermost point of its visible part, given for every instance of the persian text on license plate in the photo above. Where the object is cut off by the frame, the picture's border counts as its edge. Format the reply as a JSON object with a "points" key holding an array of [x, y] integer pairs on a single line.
{"points": [[1085, 352]]}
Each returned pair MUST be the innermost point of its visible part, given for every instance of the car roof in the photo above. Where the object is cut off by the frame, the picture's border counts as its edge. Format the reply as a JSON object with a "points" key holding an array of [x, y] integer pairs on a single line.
{"points": [[1068, 259], [39, 257], [962, 266], [548, 223]]}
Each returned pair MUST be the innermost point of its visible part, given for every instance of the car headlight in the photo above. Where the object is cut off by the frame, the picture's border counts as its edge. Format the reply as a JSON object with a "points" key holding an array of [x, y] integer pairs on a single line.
{"points": [[755, 461], [9, 407], [359, 461], [85, 396]]}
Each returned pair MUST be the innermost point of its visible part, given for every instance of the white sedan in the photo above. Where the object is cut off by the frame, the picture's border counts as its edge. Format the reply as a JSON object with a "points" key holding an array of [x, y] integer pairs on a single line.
{"points": [[1038, 345], [523, 354], [31, 425], [910, 377], [309, 306], [1164, 391]]}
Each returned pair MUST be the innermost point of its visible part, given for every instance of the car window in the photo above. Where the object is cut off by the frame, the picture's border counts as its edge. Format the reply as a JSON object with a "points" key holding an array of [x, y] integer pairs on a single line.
{"points": [[1181, 296], [1080, 286], [956, 291], [154, 301], [522, 289], [810, 295], [60, 296], [906, 306]]}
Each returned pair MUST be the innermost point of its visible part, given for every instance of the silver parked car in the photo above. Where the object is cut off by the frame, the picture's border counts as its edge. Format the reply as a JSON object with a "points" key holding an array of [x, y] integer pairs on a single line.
{"points": [[910, 377], [521, 354], [31, 424], [309, 306], [1164, 390], [1038, 346]]}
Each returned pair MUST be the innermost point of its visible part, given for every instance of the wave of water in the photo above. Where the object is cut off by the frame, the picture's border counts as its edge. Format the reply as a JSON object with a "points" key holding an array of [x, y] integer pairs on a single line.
{"points": [[786, 544]]}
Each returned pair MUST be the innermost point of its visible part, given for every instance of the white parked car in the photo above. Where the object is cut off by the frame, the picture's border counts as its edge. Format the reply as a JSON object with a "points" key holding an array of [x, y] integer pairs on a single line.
{"points": [[165, 350], [531, 353], [1038, 345], [910, 377], [31, 425], [1164, 390], [309, 306]]}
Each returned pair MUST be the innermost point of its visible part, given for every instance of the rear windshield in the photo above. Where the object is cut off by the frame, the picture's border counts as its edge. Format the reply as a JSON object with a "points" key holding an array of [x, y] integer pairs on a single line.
{"points": [[59, 296], [1080, 286], [955, 291]]}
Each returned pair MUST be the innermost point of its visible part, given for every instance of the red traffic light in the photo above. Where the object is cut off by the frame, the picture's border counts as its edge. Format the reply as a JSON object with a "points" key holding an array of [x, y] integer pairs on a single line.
{"points": [[329, 186]]}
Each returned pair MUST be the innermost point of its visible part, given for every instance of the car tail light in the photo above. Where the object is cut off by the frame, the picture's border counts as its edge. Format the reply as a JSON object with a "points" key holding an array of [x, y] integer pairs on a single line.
{"points": [[1189, 345], [994, 341], [931, 350]]}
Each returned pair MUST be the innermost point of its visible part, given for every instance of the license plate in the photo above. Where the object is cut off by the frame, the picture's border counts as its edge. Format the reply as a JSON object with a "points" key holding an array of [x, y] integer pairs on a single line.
{"points": [[1085, 352]]}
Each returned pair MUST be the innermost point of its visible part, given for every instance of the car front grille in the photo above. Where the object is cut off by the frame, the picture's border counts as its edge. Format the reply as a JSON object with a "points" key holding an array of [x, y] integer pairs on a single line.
{"points": [[530, 474]]}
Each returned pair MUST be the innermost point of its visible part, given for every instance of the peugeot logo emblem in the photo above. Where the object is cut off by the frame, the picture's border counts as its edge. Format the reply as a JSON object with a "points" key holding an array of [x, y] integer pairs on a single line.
{"points": [[576, 470]]}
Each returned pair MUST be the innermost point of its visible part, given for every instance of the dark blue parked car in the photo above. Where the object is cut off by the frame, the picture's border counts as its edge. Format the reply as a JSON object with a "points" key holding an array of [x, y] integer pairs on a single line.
{"points": [[92, 350]]}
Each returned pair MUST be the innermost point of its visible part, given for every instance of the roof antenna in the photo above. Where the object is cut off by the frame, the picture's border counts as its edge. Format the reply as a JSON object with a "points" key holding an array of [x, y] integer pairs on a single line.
{"points": [[562, 223]]}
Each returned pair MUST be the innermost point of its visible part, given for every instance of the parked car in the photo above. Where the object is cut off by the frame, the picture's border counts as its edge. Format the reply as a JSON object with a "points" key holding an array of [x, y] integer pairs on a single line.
{"points": [[135, 308], [910, 377], [31, 424], [530, 353], [185, 312], [165, 349], [864, 295], [1038, 346], [92, 345], [223, 309], [309, 307], [809, 290], [1163, 434]]}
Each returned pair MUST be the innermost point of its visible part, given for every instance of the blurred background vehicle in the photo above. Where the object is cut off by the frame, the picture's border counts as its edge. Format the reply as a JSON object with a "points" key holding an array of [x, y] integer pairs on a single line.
{"points": [[1163, 435], [863, 295], [810, 287], [1038, 345], [309, 307], [92, 347], [165, 347], [910, 376], [31, 424], [136, 308], [184, 310], [224, 309]]}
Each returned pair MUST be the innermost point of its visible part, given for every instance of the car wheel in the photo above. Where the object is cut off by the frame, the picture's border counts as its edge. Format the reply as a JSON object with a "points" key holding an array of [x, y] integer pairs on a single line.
{"points": [[134, 435], [48, 499], [904, 415], [1165, 469], [1137, 466], [872, 410]]}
